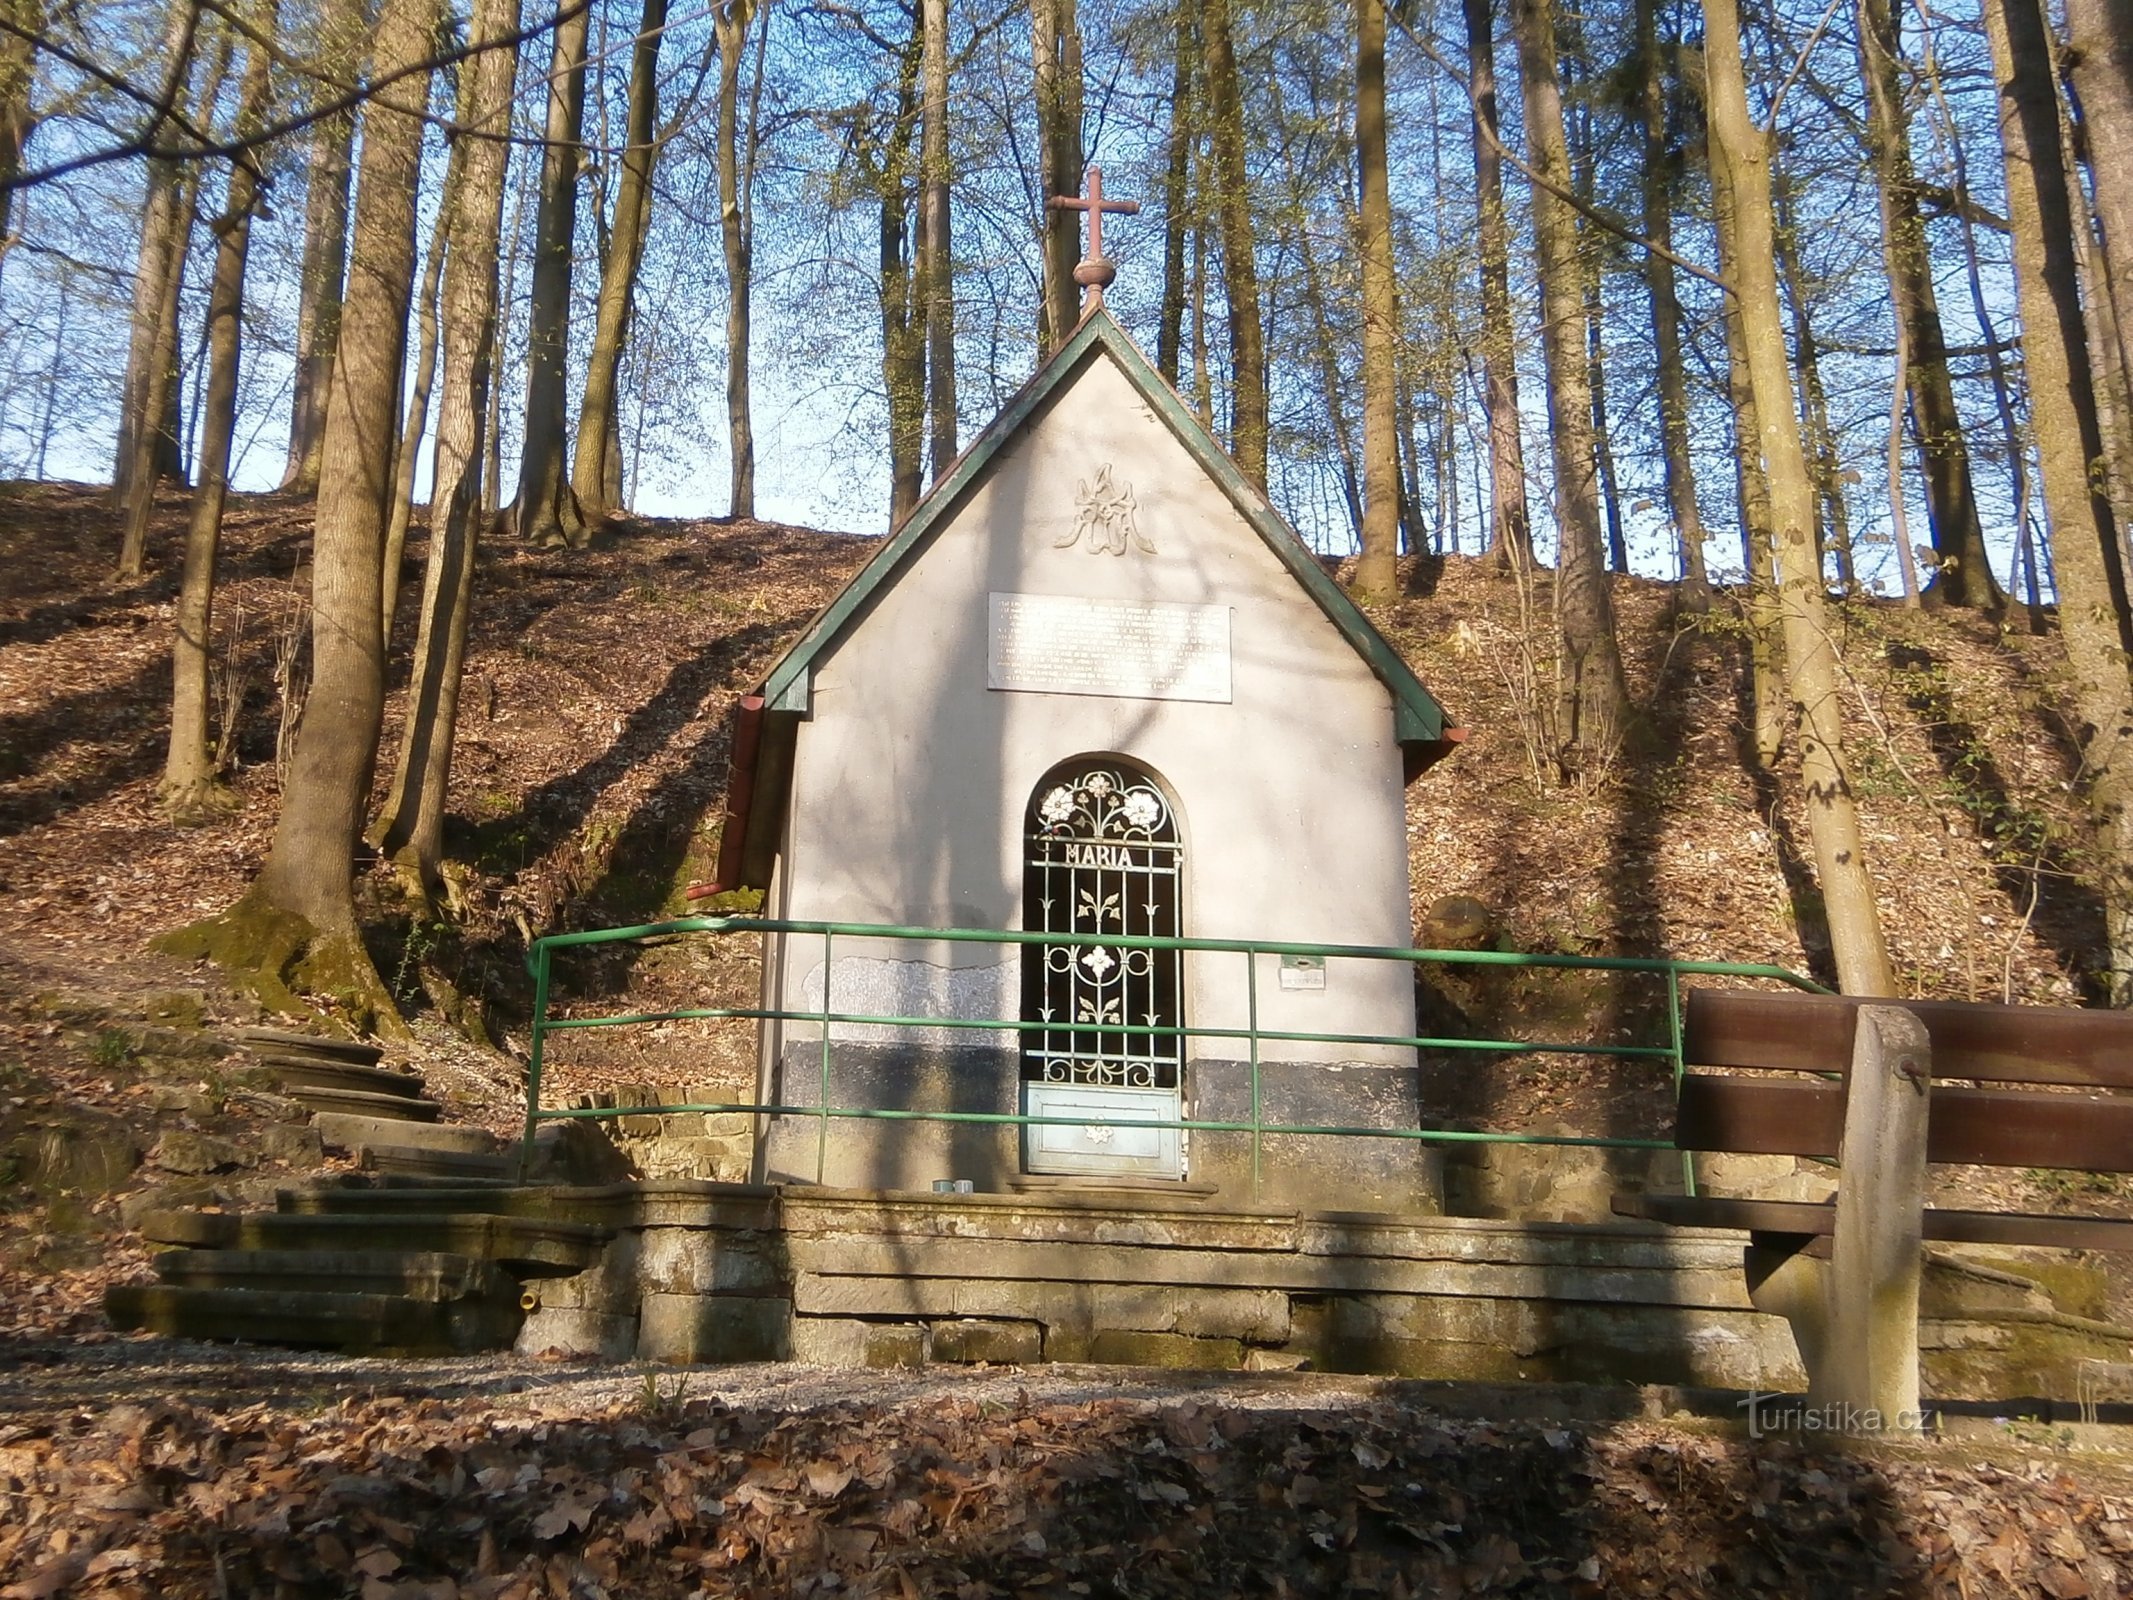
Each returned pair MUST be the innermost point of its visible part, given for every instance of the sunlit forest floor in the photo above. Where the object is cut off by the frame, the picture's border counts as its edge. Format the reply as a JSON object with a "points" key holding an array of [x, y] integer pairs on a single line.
{"points": [[591, 766]]}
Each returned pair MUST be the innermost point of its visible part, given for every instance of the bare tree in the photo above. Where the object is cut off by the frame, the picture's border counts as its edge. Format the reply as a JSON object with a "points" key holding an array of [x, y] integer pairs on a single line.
{"points": [[1055, 37], [297, 922], [1660, 177], [736, 216], [412, 828], [191, 789], [1510, 533], [936, 259], [597, 447], [1742, 153], [407, 452], [24, 20], [1177, 178], [547, 512], [1593, 709], [1766, 646], [2043, 218], [148, 422], [1240, 265], [337, 49], [1963, 573], [1376, 574]]}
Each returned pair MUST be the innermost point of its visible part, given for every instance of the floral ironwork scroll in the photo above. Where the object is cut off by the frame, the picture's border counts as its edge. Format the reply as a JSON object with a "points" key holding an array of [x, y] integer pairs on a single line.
{"points": [[1103, 858]]}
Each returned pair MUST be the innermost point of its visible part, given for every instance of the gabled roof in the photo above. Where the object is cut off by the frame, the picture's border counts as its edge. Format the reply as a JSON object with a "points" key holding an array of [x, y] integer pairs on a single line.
{"points": [[1418, 719], [765, 722]]}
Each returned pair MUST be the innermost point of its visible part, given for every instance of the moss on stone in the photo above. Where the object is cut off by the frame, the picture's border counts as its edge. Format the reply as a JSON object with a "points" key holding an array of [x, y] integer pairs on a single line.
{"points": [[272, 954], [255, 943]]}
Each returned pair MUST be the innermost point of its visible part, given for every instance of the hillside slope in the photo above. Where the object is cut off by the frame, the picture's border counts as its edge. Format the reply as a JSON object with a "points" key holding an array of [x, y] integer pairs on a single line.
{"points": [[592, 759]]}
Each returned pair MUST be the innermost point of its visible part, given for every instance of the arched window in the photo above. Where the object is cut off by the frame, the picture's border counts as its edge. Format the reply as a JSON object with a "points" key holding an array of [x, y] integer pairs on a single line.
{"points": [[1102, 856]]}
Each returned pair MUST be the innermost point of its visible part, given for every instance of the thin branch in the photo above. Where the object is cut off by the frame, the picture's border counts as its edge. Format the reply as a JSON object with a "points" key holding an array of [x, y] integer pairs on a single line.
{"points": [[1596, 214], [1799, 65]]}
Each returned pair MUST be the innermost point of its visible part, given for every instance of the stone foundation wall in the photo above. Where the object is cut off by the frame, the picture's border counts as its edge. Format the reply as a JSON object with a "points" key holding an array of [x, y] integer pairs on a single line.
{"points": [[717, 1273]]}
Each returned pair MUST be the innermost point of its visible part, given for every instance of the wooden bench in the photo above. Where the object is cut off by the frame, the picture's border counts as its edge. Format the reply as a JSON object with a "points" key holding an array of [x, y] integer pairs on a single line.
{"points": [[1871, 1088]]}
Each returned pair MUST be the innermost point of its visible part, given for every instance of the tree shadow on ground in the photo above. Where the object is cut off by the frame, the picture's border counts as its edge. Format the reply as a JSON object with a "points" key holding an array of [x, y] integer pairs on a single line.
{"points": [[1810, 918], [2063, 909], [1180, 1498]]}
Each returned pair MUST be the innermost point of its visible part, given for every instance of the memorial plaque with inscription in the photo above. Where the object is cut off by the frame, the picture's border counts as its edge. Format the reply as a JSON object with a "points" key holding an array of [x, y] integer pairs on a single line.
{"points": [[1146, 650]]}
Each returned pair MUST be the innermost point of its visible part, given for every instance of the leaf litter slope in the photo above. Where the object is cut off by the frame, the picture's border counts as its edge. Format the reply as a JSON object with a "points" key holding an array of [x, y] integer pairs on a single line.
{"points": [[592, 761]]}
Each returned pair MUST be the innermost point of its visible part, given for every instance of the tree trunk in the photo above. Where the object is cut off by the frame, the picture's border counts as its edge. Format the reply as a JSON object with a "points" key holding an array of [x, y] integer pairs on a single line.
{"points": [[1742, 155], [412, 828], [161, 208], [1056, 37], [2099, 64], [492, 489], [1325, 348], [1964, 574], [1899, 511], [1203, 374], [1593, 267], [625, 255], [191, 792], [407, 453], [547, 511], [937, 252], [1658, 177], [1177, 178], [2003, 384], [1594, 700], [298, 920], [1602, 444], [1377, 573], [736, 235], [2084, 539], [18, 59], [151, 433], [1510, 531], [325, 261], [1240, 270], [903, 332], [1832, 519], [1752, 491]]}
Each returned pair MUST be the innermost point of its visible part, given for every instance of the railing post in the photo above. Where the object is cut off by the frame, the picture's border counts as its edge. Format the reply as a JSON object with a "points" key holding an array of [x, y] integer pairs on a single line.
{"points": [[1876, 1256], [822, 1106], [533, 1059], [1681, 1067], [1251, 1021]]}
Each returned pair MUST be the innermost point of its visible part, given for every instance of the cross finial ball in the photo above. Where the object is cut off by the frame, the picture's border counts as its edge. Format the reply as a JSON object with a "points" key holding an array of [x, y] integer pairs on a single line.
{"points": [[1095, 272]]}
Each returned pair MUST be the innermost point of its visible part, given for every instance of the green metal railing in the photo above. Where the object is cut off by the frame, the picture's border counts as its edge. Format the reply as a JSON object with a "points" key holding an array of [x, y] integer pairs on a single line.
{"points": [[540, 960]]}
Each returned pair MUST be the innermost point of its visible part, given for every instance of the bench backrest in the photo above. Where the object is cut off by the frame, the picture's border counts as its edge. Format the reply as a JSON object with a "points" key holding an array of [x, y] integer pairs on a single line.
{"points": [[1983, 1043], [2031, 1045]]}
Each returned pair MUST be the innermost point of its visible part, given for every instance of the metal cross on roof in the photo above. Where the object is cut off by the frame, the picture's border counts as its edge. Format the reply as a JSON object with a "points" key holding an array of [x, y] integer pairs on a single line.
{"points": [[1095, 272]]}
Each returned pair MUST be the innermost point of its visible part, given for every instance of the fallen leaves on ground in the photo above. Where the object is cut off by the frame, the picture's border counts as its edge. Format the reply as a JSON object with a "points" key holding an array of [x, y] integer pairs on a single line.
{"points": [[396, 1499]]}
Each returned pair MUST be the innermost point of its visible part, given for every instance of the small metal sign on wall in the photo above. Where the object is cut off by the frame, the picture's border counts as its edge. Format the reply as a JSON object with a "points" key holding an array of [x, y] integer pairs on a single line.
{"points": [[1103, 857]]}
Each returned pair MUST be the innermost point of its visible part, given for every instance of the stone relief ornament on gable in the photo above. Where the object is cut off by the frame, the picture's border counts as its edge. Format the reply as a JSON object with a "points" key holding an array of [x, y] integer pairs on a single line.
{"points": [[1104, 514]]}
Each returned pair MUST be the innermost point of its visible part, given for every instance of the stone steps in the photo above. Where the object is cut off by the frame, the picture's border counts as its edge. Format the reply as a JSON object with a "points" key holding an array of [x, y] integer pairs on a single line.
{"points": [[416, 1275], [281, 1041], [351, 1131], [365, 1103], [356, 1322], [295, 1072], [403, 1161], [527, 1246], [438, 1276]]}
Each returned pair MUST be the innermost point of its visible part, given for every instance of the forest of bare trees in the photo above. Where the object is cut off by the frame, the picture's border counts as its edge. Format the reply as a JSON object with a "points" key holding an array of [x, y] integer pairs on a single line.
{"points": [[1786, 305]]}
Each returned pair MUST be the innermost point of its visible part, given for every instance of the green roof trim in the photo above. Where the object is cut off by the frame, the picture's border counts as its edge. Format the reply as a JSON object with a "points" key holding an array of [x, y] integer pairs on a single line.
{"points": [[1418, 719]]}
